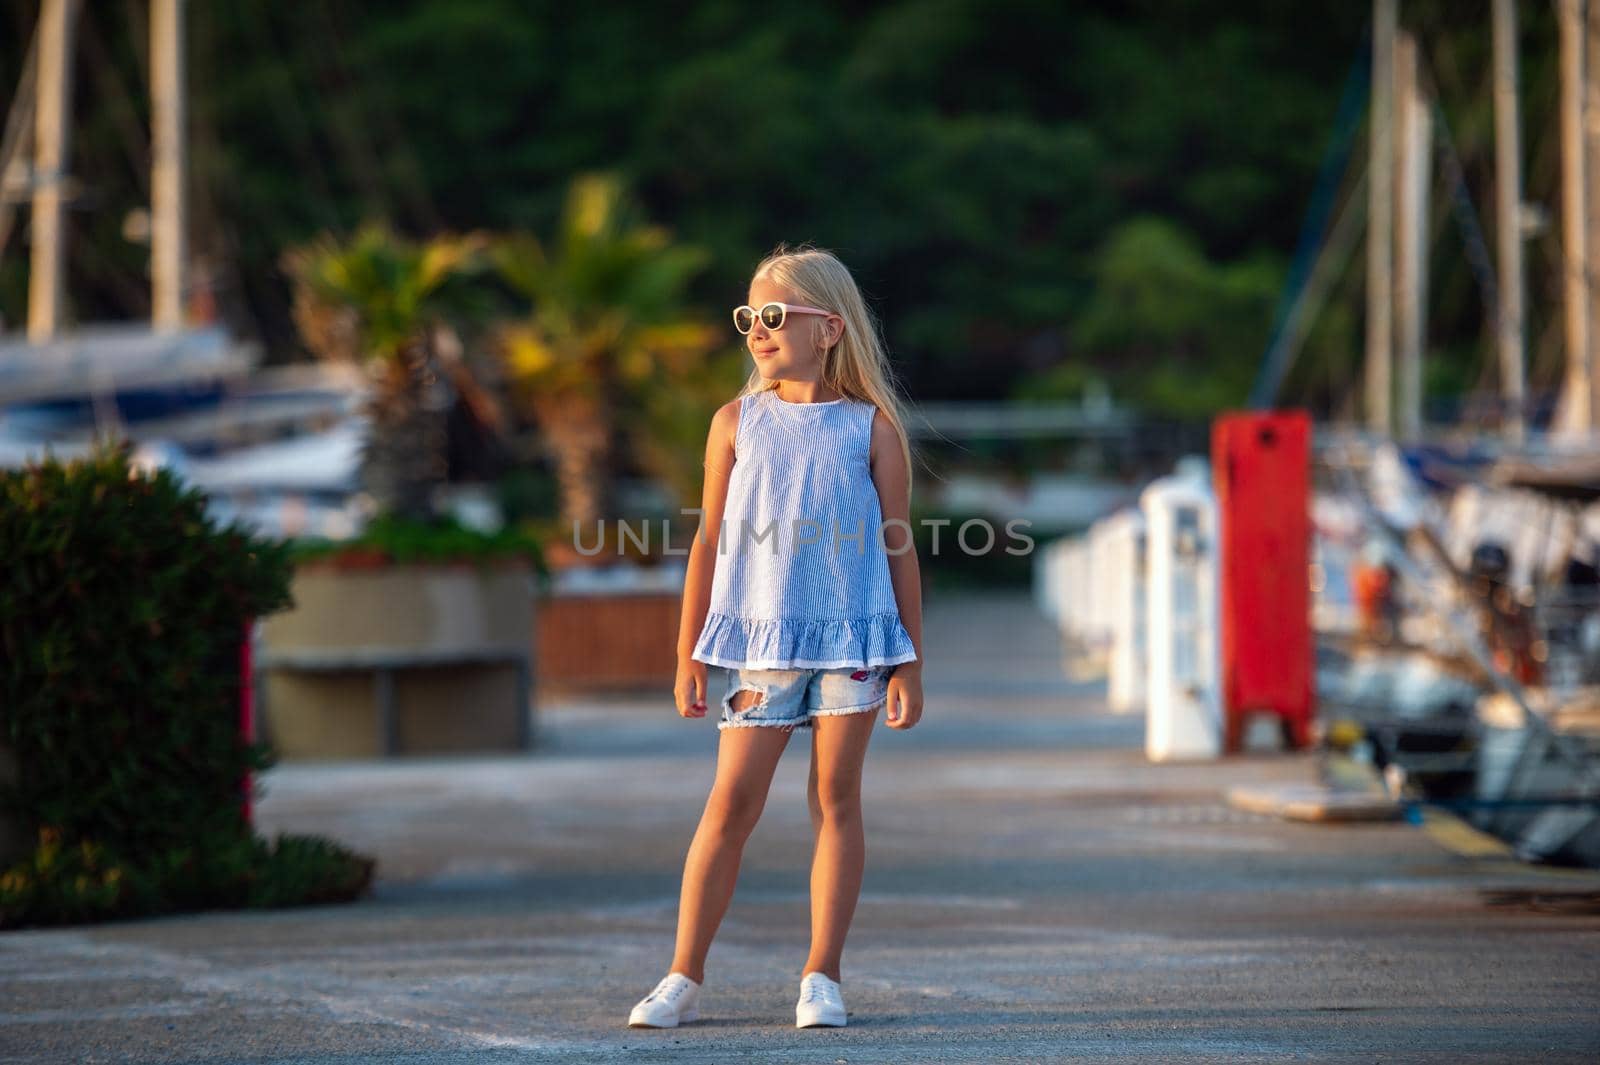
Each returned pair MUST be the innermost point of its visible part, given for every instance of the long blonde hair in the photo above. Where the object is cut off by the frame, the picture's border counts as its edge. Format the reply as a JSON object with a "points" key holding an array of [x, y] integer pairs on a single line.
{"points": [[857, 366]]}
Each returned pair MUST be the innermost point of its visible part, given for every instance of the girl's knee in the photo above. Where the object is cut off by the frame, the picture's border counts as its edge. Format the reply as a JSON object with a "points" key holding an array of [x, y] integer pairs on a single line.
{"points": [[734, 815], [836, 803]]}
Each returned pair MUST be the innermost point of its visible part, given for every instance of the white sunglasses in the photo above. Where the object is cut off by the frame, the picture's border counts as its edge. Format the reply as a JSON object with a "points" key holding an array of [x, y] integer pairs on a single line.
{"points": [[772, 315]]}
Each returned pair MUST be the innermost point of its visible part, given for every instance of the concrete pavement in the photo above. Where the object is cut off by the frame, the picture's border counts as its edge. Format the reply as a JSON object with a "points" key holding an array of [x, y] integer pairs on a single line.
{"points": [[1035, 891]]}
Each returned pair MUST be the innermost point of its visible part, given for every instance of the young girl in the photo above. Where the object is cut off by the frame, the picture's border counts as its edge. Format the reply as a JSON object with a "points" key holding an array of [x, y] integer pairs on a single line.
{"points": [[812, 602]]}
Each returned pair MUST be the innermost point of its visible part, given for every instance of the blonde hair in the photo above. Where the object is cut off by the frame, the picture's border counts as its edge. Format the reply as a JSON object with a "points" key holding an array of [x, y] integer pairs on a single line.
{"points": [[857, 366]]}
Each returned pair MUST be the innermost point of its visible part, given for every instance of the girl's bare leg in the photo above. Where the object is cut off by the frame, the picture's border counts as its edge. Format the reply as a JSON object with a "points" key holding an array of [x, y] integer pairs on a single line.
{"points": [[746, 760], [838, 751]]}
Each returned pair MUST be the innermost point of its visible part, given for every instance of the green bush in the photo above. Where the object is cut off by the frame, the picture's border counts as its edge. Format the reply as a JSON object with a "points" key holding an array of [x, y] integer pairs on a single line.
{"points": [[122, 610], [389, 538]]}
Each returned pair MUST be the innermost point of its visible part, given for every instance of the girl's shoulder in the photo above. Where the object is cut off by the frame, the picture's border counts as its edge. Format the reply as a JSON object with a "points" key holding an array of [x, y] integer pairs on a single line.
{"points": [[870, 413], [867, 405]]}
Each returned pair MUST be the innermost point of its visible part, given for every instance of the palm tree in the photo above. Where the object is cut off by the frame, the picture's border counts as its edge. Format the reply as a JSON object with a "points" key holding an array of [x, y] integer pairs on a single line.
{"points": [[375, 300], [605, 333]]}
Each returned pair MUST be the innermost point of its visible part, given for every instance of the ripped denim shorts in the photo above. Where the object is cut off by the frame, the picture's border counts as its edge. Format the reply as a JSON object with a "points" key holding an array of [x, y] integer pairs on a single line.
{"points": [[790, 698]]}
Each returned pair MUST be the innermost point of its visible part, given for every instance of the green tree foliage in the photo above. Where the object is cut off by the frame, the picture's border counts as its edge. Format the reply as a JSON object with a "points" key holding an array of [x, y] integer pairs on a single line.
{"points": [[1165, 313], [377, 299], [973, 160], [602, 341]]}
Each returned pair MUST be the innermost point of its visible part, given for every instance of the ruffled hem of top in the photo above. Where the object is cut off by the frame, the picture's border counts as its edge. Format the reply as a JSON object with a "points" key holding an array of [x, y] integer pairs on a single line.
{"points": [[793, 643]]}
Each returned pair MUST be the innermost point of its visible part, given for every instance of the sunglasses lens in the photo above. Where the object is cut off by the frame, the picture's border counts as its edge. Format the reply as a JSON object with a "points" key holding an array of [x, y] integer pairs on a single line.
{"points": [[772, 316], [744, 319]]}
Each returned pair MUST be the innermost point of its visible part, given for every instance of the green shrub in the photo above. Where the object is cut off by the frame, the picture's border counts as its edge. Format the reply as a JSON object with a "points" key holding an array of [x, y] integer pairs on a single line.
{"points": [[122, 611], [59, 884], [388, 538]]}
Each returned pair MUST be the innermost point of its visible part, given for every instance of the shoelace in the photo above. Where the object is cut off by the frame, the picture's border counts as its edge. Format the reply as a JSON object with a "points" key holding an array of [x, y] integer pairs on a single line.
{"points": [[816, 989], [668, 988]]}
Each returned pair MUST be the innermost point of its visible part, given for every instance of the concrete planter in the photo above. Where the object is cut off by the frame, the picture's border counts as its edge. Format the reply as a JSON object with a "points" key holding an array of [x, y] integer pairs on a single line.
{"points": [[399, 658]]}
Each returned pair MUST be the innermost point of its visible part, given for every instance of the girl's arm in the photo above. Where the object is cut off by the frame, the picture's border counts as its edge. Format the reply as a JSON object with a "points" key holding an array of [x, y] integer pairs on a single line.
{"points": [[702, 559], [892, 478]]}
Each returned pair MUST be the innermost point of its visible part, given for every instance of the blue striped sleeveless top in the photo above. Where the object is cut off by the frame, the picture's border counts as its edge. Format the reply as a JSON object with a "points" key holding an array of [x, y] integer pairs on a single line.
{"points": [[802, 576]]}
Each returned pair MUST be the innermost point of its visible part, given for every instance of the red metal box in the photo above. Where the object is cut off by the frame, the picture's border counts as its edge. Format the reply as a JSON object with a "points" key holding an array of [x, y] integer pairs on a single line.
{"points": [[1260, 465]]}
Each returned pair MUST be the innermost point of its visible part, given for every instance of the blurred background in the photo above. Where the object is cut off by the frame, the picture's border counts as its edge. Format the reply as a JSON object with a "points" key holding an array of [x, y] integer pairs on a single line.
{"points": [[1248, 351], [423, 281], [1104, 212]]}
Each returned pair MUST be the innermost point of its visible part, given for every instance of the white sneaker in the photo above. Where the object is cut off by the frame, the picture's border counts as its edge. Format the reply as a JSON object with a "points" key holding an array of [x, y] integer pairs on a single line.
{"points": [[675, 1001], [821, 1003]]}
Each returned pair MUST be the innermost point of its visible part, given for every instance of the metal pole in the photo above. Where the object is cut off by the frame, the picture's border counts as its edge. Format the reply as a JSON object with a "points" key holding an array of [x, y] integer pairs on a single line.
{"points": [[1591, 138], [167, 142], [1411, 235], [1576, 399], [51, 152], [1380, 219], [1508, 194]]}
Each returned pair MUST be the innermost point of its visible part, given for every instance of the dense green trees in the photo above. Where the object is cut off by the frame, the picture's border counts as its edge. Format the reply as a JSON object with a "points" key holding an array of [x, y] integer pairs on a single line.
{"points": [[1114, 186]]}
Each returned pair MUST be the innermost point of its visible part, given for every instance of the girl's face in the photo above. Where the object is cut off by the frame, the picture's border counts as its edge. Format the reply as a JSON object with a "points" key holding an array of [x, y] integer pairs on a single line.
{"points": [[794, 352]]}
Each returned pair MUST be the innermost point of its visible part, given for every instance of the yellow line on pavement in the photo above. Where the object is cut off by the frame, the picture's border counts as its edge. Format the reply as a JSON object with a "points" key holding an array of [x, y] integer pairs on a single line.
{"points": [[1455, 835]]}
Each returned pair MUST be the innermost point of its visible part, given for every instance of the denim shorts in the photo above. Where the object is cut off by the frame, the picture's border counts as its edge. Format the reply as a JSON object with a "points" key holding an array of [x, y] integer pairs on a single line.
{"points": [[790, 698]]}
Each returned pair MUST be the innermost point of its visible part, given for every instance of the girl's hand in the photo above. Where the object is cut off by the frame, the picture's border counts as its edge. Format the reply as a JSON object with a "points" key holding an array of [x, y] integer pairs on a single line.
{"points": [[905, 695], [689, 690]]}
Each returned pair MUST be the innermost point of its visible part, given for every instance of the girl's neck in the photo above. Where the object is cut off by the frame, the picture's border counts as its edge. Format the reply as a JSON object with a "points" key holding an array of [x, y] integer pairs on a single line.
{"points": [[800, 392]]}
